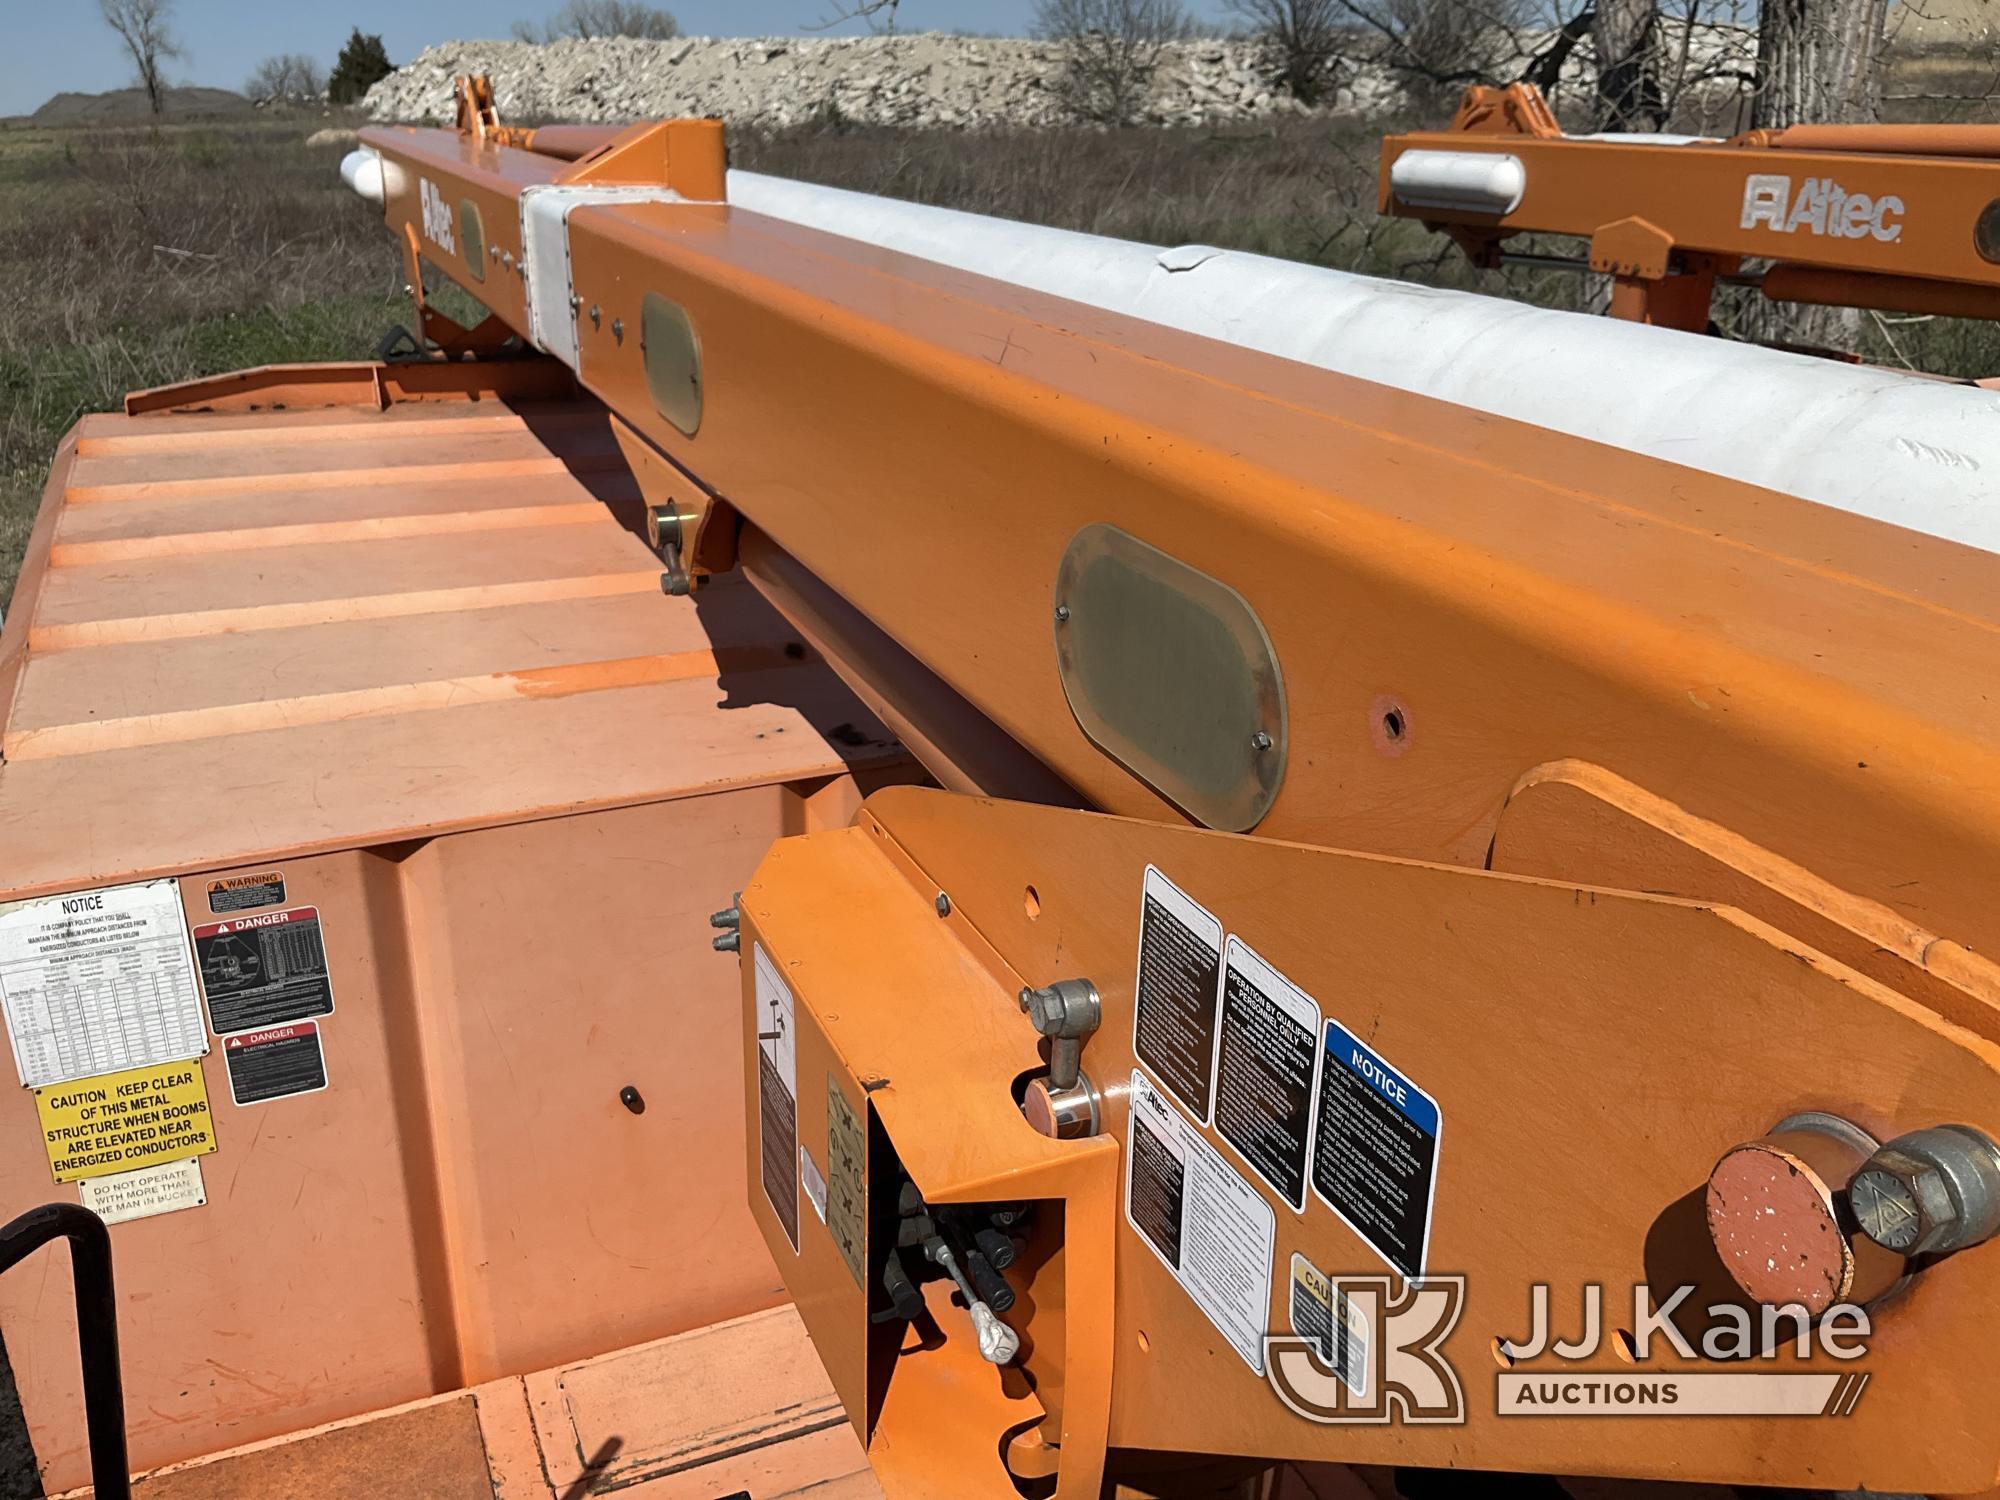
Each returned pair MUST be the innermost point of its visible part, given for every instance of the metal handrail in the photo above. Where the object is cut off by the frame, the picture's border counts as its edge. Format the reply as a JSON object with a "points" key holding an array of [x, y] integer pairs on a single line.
{"points": [[96, 1329]]}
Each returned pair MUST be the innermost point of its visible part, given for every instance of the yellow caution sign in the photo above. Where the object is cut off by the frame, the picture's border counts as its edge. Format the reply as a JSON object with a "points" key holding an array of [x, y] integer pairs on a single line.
{"points": [[116, 1122]]}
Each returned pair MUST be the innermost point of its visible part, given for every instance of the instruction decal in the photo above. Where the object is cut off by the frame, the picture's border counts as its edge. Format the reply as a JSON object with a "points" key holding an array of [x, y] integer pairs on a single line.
{"points": [[1375, 1154], [777, 1092], [275, 1063], [1265, 1061], [234, 893], [115, 1122], [1174, 998], [146, 1191], [98, 981], [846, 1156], [264, 970], [1325, 1314], [1210, 1228]]}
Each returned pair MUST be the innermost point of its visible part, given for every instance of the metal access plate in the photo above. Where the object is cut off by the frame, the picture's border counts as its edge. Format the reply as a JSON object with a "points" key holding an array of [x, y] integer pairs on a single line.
{"points": [[1171, 673]]}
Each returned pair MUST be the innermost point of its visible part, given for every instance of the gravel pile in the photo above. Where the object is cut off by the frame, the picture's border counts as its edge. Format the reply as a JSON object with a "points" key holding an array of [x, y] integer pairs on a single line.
{"points": [[924, 79], [930, 79]]}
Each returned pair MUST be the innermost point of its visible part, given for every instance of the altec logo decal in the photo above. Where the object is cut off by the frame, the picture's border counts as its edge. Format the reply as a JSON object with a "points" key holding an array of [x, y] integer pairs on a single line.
{"points": [[437, 216], [1822, 206]]}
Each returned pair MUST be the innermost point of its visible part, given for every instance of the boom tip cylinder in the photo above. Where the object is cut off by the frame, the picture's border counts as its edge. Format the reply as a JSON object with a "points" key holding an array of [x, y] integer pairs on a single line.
{"points": [[364, 170], [1476, 182]]}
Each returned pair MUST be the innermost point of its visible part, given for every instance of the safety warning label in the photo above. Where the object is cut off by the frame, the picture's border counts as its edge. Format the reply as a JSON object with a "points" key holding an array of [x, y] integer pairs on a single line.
{"points": [[113, 1123], [98, 981], [1212, 1229], [845, 1159], [246, 892], [777, 1092], [264, 970], [275, 1063], [1375, 1155], [1325, 1314], [1265, 1060], [1173, 1009], [140, 1194]]}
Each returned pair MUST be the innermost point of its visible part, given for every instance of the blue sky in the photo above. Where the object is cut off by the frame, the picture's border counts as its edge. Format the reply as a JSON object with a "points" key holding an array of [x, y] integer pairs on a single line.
{"points": [[47, 46]]}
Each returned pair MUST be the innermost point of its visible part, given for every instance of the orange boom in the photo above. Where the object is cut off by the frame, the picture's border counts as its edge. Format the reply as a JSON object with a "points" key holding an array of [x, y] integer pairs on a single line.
{"points": [[853, 850]]}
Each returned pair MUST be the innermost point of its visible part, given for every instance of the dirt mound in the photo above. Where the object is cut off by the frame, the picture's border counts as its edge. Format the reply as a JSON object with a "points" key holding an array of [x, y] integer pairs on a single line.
{"points": [[129, 106]]}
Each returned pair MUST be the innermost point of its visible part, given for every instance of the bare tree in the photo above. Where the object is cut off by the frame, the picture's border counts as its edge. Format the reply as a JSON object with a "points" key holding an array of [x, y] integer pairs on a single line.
{"points": [[1109, 50], [290, 75], [1817, 61], [144, 27], [1437, 47], [1305, 35], [585, 20], [1626, 37], [879, 14]]}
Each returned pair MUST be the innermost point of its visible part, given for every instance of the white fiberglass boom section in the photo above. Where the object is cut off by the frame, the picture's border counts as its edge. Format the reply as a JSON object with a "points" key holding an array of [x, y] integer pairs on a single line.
{"points": [[1922, 454]]}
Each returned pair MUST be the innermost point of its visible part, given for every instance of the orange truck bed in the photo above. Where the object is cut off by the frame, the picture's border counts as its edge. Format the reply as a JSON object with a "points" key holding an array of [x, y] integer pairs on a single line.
{"points": [[395, 700]]}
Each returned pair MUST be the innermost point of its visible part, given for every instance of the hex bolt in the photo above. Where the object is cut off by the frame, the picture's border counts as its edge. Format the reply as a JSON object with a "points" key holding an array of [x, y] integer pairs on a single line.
{"points": [[1067, 1013], [1062, 1104], [1062, 613], [596, 315], [1930, 1192], [1260, 741], [618, 329]]}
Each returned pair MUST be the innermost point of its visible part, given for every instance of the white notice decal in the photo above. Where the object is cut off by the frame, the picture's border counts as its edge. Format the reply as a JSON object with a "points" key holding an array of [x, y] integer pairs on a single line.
{"points": [[1209, 1227], [149, 1190], [98, 982]]}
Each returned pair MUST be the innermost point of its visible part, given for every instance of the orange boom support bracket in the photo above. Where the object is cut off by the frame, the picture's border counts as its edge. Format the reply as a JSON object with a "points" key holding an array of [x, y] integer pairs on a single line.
{"points": [[1901, 218]]}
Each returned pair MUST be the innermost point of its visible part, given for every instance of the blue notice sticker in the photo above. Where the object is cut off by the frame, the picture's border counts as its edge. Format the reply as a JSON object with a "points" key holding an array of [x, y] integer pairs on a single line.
{"points": [[1375, 1149]]}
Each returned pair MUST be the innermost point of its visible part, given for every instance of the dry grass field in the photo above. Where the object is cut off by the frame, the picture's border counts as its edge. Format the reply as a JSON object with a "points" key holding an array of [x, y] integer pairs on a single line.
{"points": [[131, 258], [134, 257]]}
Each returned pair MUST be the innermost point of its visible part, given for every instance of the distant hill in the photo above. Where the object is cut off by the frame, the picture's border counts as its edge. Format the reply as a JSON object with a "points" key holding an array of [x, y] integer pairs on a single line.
{"points": [[128, 106]]}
